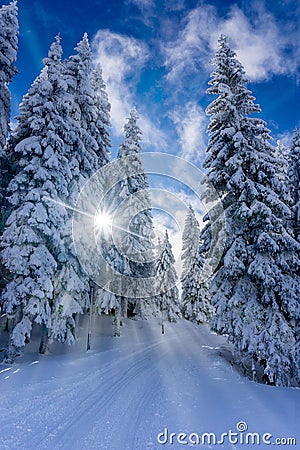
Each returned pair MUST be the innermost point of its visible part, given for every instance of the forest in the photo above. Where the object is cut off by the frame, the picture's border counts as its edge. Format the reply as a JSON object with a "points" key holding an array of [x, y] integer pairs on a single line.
{"points": [[240, 266]]}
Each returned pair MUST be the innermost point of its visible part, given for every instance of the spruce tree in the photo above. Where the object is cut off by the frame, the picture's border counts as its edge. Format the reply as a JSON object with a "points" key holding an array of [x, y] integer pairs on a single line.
{"points": [[195, 298], [98, 126], [294, 185], [294, 181], [9, 30], [166, 279], [89, 140], [88, 119], [87, 109], [134, 233], [255, 289], [33, 241]]}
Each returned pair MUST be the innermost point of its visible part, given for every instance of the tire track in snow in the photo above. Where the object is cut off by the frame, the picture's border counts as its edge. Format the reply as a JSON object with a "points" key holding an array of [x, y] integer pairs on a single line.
{"points": [[90, 407]]}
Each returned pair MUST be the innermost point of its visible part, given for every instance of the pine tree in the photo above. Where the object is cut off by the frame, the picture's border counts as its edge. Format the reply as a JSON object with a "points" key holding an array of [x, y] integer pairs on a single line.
{"points": [[33, 241], [195, 295], [134, 230], [254, 306], [89, 117], [9, 30], [87, 132], [98, 127], [294, 185], [110, 297], [294, 181], [166, 279]]}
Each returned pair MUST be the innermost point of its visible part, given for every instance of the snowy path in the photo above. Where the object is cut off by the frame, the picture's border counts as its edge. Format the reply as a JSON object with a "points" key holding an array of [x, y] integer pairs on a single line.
{"points": [[121, 395]]}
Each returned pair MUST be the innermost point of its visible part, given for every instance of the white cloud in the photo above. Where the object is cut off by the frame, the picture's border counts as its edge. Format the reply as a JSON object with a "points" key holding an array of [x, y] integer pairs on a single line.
{"points": [[191, 122], [258, 40], [259, 47], [122, 59], [143, 4], [191, 46], [285, 138]]}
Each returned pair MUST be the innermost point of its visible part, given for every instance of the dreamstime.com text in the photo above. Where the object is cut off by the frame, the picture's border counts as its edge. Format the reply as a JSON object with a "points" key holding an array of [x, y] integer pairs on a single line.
{"points": [[240, 436]]}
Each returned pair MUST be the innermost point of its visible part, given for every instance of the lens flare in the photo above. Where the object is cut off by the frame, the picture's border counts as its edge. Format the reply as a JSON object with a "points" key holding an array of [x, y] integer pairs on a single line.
{"points": [[103, 221]]}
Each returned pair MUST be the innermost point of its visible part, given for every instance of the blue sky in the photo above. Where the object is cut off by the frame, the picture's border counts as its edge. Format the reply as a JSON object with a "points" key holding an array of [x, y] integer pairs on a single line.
{"points": [[156, 55]]}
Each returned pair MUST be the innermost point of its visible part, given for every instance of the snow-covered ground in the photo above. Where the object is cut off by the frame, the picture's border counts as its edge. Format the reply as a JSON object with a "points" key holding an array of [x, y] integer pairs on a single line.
{"points": [[126, 391]]}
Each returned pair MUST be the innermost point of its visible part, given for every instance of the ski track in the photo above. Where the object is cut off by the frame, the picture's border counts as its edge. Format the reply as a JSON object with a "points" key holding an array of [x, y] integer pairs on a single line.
{"points": [[120, 399], [92, 405]]}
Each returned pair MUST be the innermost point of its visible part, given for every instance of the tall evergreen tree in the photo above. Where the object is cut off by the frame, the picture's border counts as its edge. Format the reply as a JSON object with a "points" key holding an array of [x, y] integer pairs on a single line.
{"points": [[294, 181], [294, 185], [101, 120], [88, 122], [89, 117], [9, 30], [255, 290], [33, 241], [195, 295], [135, 235], [166, 279]]}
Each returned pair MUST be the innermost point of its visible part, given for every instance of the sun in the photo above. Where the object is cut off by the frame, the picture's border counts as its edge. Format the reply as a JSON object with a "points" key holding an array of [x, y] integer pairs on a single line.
{"points": [[103, 221]]}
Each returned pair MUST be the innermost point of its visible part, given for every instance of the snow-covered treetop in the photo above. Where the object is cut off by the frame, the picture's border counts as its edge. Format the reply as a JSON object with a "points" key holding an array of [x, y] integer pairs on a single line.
{"points": [[99, 87], [190, 240], [83, 56], [167, 257], [191, 227], [234, 137], [103, 107], [295, 146], [55, 51], [133, 136], [78, 67], [229, 79]]}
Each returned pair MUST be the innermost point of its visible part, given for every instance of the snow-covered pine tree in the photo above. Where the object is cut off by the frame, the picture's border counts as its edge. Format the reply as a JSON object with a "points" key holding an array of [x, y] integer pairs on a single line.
{"points": [[89, 117], [88, 120], [195, 301], [98, 126], [9, 30], [294, 181], [33, 241], [190, 241], [136, 244], [255, 290], [294, 185], [166, 279]]}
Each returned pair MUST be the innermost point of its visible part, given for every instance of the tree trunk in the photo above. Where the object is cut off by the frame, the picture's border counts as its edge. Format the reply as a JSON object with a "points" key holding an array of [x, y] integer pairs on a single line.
{"points": [[253, 368], [44, 340], [162, 321], [124, 308], [117, 321]]}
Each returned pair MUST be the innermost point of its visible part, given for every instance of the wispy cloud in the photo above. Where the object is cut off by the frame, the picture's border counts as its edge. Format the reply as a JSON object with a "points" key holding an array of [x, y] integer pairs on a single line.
{"points": [[285, 138], [143, 5], [191, 122], [123, 59], [260, 43], [260, 48], [192, 47]]}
